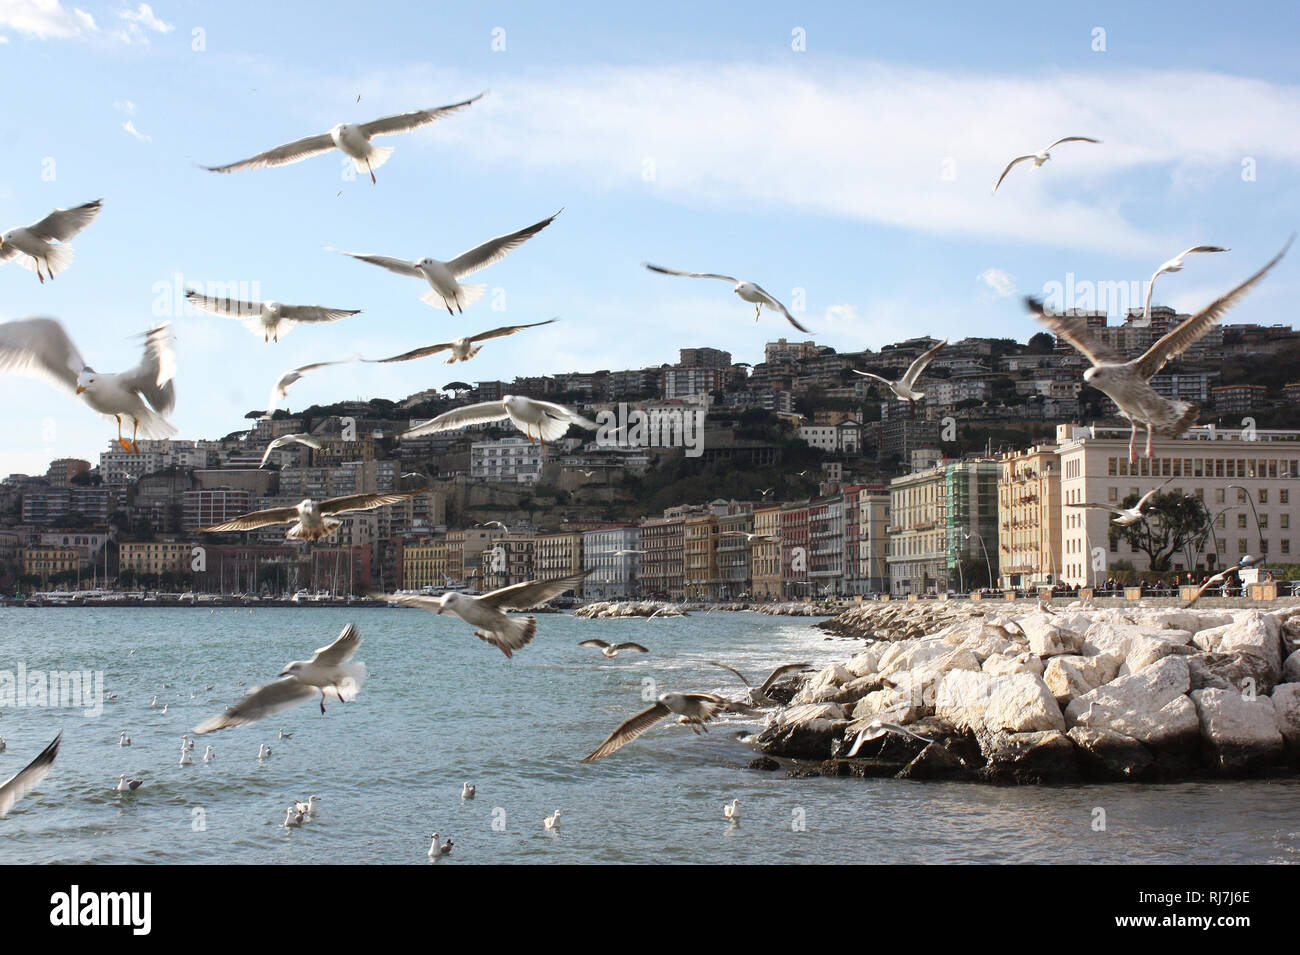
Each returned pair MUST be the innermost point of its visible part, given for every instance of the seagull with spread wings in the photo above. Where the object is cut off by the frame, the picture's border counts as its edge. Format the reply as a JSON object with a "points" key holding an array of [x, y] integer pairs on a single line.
{"points": [[442, 277], [485, 612], [40, 347], [750, 538], [538, 420], [35, 244], [29, 777], [303, 439], [611, 650], [748, 292], [1222, 577], [1041, 156], [693, 709], [464, 348], [353, 139], [905, 387], [759, 695], [1127, 516], [311, 520], [280, 390], [271, 318], [1128, 383], [1175, 265], [329, 671], [878, 728]]}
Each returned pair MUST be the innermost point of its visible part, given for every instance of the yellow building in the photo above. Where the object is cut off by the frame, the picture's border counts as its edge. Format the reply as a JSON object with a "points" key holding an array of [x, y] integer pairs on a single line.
{"points": [[700, 557], [44, 561], [424, 564], [765, 555], [155, 557], [1029, 517], [557, 555]]}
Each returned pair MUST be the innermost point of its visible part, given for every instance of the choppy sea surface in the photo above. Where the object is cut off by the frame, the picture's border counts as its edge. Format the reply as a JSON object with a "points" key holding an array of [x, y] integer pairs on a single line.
{"points": [[441, 708]]}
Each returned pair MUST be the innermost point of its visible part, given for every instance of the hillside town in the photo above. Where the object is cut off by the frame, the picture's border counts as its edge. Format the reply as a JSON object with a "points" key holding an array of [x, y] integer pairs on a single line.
{"points": [[791, 479]]}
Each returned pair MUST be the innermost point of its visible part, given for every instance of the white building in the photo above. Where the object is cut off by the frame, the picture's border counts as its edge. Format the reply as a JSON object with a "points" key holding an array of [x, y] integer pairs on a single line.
{"points": [[506, 461], [845, 437], [606, 551]]}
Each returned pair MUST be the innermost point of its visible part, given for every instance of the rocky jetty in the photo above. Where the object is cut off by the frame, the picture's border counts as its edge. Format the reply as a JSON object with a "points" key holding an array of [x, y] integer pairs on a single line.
{"points": [[1012, 694], [628, 608]]}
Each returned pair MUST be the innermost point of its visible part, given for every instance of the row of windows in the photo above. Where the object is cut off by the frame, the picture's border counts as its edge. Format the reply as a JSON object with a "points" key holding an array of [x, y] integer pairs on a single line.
{"points": [[1203, 467]]}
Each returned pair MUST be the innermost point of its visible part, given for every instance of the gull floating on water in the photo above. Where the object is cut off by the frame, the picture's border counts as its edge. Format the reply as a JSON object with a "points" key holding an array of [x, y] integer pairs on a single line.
{"points": [[1127, 383], [1175, 265], [303, 439], [40, 347], [307, 808], [270, 319], [748, 292], [546, 421], [485, 611], [552, 821], [353, 139], [280, 390], [694, 709], [263, 751], [125, 785], [292, 817], [462, 349], [26, 779], [905, 387], [283, 735], [209, 754], [311, 520], [1127, 515], [123, 739], [186, 759], [612, 650], [467, 791], [731, 810], [300, 681], [445, 291], [438, 850], [1041, 156], [35, 244]]}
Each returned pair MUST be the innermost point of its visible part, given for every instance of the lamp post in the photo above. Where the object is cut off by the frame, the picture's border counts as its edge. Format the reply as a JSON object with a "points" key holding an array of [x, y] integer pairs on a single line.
{"points": [[987, 563], [1258, 530], [1213, 521]]}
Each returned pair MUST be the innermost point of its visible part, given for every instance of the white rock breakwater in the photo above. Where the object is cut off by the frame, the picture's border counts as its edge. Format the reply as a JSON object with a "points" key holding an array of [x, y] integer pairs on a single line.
{"points": [[1004, 694]]}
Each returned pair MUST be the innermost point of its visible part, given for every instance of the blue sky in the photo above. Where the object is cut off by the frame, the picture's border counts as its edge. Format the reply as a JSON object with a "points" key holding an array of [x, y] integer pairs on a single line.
{"points": [[858, 170]]}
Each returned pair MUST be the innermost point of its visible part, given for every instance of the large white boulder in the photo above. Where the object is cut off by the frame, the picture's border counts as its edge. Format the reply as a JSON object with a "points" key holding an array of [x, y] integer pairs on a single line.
{"points": [[1074, 675], [865, 662], [1003, 663], [1150, 705], [1015, 703], [1253, 633], [1240, 732], [1047, 637], [1118, 638], [910, 654], [1286, 711]]}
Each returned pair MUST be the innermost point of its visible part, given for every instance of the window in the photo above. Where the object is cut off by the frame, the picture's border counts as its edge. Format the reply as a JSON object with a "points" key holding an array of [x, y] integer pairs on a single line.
{"points": [[1285, 520], [1263, 495], [1284, 496], [1241, 495], [1263, 520], [1286, 545], [1218, 495], [1112, 494], [1241, 520]]}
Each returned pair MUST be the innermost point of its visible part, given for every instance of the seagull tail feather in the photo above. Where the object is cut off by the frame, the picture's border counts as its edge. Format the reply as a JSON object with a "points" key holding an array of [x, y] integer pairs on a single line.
{"points": [[378, 156], [1185, 421]]}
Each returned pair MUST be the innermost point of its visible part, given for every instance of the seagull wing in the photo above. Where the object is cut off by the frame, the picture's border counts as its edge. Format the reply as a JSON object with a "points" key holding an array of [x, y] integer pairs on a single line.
{"points": [[226, 307], [416, 118], [780, 308], [781, 672], [1101, 507], [530, 593], [740, 676], [295, 151], [505, 330], [636, 647], [255, 519], [364, 502], [155, 376], [40, 347], [400, 266], [1018, 159], [561, 413], [260, 702], [691, 275], [867, 374], [1072, 139], [628, 730], [62, 224], [1075, 331], [341, 650], [316, 313], [414, 353], [1205, 248], [1150, 494], [594, 643], [493, 250], [1189, 332], [918, 366], [26, 779], [480, 413]]}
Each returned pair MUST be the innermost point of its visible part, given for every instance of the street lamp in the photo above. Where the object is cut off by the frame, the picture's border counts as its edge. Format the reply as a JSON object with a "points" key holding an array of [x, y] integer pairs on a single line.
{"points": [[1258, 530], [987, 563]]}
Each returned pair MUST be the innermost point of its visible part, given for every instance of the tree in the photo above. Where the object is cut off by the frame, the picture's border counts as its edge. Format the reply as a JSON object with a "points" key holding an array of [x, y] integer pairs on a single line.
{"points": [[1041, 344], [1174, 522]]}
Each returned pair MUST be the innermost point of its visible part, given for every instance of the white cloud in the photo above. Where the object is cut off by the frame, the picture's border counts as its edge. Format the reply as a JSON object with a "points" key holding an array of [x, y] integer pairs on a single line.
{"points": [[3, 38], [129, 126], [841, 312], [45, 18], [999, 281], [143, 17]]}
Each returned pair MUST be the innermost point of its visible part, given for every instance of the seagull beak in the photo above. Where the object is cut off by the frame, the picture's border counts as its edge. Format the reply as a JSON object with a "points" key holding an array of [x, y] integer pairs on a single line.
{"points": [[283, 673], [80, 388]]}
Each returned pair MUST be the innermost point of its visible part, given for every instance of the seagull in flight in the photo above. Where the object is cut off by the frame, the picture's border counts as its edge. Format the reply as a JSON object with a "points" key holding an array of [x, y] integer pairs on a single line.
{"points": [[464, 348], [1041, 156], [759, 695], [34, 245], [1127, 516], [748, 292], [750, 538], [329, 671], [280, 390], [694, 709], [284, 439], [29, 777], [272, 319], [353, 139], [1221, 576], [905, 387], [878, 728], [40, 347], [546, 421], [1127, 383], [1176, 265], [311, 520], [611, 650], [486, 611], [442, 277]]}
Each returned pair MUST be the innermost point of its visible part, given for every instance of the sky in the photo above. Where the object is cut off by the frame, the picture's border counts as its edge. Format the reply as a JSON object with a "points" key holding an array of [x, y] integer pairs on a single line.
{"points": [[840, 155]]}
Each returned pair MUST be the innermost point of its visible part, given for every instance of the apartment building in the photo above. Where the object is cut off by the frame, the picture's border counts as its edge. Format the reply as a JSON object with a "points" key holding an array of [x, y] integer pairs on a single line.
{"points": [[155, 557], [942, 519], [765, 554], [873, 539], [610, 554], [796, 583], [46, 560], [1029, 518], [662, 569], [734, 554], [507, 461], [826, 546], [700, 557], [557, 555]]}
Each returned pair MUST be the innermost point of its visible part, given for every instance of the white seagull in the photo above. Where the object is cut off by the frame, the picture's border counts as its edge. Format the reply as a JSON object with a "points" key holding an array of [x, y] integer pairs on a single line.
{"points": [[1042, 155], [1222, 576], [694, 709], [40, 347], [750, 538], [125, 785], [301, 680], [468, 791], [1127, 383], [878, 728], [264, 751], [1175, 265], [542, 419], [353, 139], [311, 520], [280, 390], [748, 292], [438, 850], [506, 633], [270, 319], [731, 810], [292, 817], [1127, 515], [35, 244], [28, 778], [905, 387], [552, 821], [124, 740], [758, 695], [307, 808], [209, 754], [280, 442], [463, 348], [445, 291], [612, 650]]}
